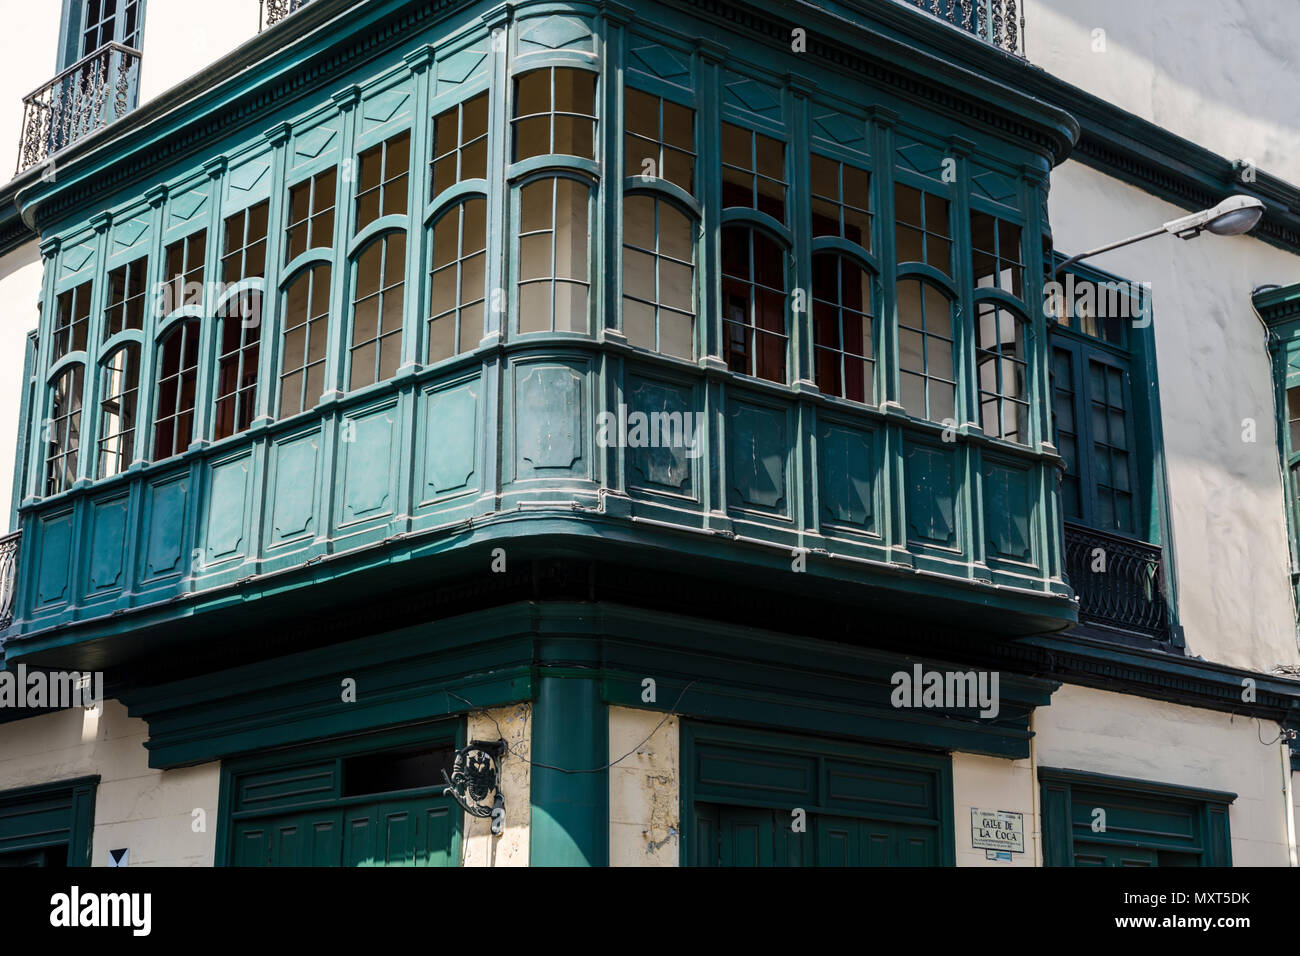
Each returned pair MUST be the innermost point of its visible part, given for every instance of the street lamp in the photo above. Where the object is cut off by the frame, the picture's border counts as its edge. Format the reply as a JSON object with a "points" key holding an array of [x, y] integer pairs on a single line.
{"points": [[1232, 217]]}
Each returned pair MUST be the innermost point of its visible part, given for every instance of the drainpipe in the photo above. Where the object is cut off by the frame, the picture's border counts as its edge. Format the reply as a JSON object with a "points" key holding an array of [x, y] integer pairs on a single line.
{"points": [[1284, 748]]}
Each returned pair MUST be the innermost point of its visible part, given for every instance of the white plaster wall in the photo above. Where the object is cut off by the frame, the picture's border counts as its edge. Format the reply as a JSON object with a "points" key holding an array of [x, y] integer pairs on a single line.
{"points": [[992, 783], [150, 812], [1226, 494], [510, 847], [180, 38], [183, 36], [20, 296], [1102, 732], [644, 788], [1216, 72]]}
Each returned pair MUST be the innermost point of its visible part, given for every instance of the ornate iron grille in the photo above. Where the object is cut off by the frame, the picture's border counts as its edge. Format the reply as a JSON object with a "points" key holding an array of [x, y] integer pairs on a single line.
{"points": [[90, 94], [273, 11], [999, 23], [1119, 581], [8, 576]]}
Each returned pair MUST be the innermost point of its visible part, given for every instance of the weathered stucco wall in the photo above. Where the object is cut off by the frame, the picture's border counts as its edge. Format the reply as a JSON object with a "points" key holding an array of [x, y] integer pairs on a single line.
{"points": [[150, 812], [644, 789], [991, 783], [1213, 71], [1226, 499], [510, 847], [1102, 732]]}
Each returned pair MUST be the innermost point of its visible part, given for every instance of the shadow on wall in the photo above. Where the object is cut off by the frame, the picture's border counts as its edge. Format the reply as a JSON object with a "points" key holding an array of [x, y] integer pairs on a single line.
{"points": [[1208, 70]]}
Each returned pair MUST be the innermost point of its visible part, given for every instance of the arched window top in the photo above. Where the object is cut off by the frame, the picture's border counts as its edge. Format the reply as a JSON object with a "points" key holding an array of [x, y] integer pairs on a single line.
{"points": [[383, 176], [555, 113], [922, 228], [63, 428], [843, 327], [658, 140], [753, 171], [119, 395], [460, 144], [841, 201], [71, 321], [996, 254], [311, 214], [754, 323]]}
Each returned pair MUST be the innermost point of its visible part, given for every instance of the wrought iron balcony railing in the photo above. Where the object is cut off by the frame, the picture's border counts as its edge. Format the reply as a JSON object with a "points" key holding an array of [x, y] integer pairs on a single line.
{"points": [[273, 11], [999, 23], [1119, 581], [90, 94], [8, 576]]}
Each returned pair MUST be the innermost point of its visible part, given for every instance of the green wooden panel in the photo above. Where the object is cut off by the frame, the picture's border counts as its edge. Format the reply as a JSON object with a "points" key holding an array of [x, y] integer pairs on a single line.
{"points": [[228, 510], [741, 790], [931, 475], [758, 444], [106, 571], [846, 471], [549, 411], [166, 519], [1007, 509], [55, 555], [295, 462], [666, 466], [451, 440]]}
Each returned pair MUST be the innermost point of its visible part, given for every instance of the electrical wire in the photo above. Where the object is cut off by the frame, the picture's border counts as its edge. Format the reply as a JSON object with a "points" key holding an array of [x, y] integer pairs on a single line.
{"points": [[672, 712]]}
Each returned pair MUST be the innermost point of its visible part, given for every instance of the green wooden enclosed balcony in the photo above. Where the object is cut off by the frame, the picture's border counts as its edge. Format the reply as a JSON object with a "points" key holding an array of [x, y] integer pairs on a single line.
{"points": [[562, 283]]}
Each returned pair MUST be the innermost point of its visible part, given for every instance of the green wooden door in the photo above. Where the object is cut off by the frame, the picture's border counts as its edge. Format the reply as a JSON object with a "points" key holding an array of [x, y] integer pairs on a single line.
{"points": [[1092, 854], [365, 806], [860, 806]]}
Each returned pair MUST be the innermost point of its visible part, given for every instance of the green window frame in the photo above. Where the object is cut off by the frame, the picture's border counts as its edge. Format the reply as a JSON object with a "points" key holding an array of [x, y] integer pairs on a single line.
{"points": [[48, 825], [63, 428], [740, 787], [1093, 819], [300, 807]]}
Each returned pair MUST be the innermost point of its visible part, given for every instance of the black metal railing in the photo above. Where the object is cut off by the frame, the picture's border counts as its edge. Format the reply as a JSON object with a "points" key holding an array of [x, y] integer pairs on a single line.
{"points": [[8, 576], [1119, 581], [999, 23], [273, 11], [90, 94]]}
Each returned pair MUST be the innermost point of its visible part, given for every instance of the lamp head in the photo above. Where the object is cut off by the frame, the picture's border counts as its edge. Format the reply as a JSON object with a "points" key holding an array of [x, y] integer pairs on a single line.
{"points": [[1234, 216]]}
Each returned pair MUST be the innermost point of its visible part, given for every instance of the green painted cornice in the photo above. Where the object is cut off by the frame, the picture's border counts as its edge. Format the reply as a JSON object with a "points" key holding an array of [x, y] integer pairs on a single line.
{"points": [[1279, 306]]}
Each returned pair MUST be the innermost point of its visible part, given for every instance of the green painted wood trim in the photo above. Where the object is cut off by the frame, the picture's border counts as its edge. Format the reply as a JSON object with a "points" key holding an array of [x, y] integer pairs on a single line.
{"points": [[693, 733], [569, 824], [1058, 786], [80, 792], [449, 732]]}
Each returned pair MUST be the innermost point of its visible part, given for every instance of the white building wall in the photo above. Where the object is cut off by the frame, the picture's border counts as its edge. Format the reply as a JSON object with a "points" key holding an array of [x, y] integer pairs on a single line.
{"points": [[510, 847], [644, 788], [1212, 71], [1124, 736], [1229, 526], [994, 783], [150, 812]]}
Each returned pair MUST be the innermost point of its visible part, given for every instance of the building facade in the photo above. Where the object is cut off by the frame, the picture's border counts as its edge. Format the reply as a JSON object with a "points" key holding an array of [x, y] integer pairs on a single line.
{"points": [[677, 427]]}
